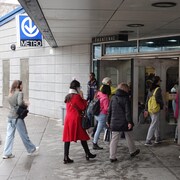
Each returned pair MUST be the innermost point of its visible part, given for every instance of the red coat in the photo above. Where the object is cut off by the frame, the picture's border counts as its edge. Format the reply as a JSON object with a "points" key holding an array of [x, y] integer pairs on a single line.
{"points": [[73, 130]]}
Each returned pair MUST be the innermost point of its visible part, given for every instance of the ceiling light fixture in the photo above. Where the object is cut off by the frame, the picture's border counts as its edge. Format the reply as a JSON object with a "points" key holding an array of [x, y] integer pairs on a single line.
{"points": [[164, 4], [172, 40], [149, 42], [135, 25]]}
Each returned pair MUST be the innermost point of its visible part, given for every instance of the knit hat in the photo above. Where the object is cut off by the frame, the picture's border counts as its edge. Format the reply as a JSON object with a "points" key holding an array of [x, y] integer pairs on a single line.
{"points": [[106, 80]]}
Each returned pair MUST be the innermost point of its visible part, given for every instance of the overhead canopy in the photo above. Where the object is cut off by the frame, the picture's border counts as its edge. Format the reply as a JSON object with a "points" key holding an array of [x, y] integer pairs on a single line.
{"points": [[73, 22]]}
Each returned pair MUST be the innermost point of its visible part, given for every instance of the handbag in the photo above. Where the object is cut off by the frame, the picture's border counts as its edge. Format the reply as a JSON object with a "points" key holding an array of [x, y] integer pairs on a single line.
{"points": [[86, 123], [22, 111], [107, 135]]}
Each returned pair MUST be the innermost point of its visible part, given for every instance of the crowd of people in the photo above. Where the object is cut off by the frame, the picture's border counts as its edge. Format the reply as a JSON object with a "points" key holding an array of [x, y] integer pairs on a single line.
{"points": [[115, 114]]}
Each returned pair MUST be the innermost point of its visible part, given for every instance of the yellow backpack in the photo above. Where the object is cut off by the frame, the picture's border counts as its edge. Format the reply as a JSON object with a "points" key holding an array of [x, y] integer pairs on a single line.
{"points": [[153, 106]]}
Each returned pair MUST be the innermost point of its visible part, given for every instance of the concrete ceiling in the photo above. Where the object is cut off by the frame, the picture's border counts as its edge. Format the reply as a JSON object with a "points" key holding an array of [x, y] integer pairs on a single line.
{"points": [[72, 22]]}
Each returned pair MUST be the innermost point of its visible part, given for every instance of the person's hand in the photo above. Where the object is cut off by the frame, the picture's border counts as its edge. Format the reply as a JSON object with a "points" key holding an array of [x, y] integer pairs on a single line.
{"points": [[145, 114], [130, 126]]}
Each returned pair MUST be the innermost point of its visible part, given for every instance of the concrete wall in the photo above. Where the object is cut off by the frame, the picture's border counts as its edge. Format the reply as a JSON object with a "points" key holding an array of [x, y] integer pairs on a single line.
{"points": [[50, 70]]}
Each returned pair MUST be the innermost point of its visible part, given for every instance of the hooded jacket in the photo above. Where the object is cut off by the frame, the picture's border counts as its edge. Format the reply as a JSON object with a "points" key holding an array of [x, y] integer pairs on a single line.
{"points": [[119, 113]]}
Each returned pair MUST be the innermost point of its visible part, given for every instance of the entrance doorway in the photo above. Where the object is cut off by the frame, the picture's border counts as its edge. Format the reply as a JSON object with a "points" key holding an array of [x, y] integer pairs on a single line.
{"points": [[138, 72], [144, 70]]}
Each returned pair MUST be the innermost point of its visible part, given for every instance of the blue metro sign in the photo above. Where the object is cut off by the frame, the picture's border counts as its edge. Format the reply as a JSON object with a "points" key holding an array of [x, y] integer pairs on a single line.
{"points": [[28, 32]]}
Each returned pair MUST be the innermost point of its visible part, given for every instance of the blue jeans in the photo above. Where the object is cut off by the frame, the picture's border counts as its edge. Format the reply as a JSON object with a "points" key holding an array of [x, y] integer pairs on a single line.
{"points": [[11, 129], [101, 124]]}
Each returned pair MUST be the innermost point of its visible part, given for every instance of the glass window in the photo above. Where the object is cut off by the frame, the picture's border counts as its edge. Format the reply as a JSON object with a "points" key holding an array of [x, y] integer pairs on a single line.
{"points": [[96, 51], [160, 44], [121, 48]]}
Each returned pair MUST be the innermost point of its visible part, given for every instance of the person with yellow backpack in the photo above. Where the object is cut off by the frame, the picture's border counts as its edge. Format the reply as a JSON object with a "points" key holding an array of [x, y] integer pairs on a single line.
{"points": [[154, 103]]}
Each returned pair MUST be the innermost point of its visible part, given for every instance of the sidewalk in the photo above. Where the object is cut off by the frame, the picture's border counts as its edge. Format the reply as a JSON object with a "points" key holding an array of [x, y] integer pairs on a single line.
{"points": [[153, 163]]}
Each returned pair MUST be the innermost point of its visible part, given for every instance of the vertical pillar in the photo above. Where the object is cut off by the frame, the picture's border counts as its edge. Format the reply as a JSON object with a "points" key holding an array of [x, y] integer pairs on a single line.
{"points": [[178, 121]]}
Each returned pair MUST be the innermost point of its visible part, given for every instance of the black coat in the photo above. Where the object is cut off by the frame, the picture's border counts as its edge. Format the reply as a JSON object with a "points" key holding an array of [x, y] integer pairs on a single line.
{"points": [[119, 113]]}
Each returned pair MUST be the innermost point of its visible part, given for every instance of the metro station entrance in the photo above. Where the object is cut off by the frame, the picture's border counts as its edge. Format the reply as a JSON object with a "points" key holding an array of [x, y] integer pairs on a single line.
{"points": [[144, 70], [137, 72]]}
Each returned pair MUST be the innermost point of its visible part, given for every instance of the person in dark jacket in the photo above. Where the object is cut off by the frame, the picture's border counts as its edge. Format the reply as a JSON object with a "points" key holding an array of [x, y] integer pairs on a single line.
{"points": [[154, 126], [119, 119], [92, 87]]}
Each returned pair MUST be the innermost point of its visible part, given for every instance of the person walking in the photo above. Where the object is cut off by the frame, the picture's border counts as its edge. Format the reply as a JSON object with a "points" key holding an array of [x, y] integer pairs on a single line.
{"points": [[103, 96], [105, 81], [92, 87], [154, 126], [119, 119], [73, 131], [108, 81], [15, 100]]}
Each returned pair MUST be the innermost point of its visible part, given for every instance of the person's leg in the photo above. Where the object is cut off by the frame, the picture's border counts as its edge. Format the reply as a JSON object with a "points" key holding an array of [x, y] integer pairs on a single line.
{"points": [[113, 144], [157, 130], [152, 128], [87, 151], [176, 135], [11, 129], [130, 141], [66, 153], [21, 127], [101, 124], [94, 129], [131, 145]]}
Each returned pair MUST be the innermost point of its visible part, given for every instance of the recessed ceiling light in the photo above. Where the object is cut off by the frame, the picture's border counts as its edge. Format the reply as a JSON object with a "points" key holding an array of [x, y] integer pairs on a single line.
{"points": [[149, 42], [126, 32], [172, 40], [135, 25], [164, 4]]}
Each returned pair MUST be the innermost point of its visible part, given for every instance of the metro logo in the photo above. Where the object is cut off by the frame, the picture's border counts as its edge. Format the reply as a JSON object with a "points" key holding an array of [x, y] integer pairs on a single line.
{"points": [[29, 35]]}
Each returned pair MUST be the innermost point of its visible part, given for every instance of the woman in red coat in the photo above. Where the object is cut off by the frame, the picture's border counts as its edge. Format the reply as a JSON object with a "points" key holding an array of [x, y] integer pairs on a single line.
{"points": [[73, 130]]}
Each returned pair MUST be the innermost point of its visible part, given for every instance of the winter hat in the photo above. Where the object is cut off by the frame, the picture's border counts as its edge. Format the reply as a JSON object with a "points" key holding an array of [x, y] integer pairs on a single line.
{"points": [[106, 80]]}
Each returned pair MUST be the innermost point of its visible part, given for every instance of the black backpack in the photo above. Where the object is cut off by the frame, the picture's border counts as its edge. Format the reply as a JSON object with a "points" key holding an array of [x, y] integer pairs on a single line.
{"points": [[94, 107]]}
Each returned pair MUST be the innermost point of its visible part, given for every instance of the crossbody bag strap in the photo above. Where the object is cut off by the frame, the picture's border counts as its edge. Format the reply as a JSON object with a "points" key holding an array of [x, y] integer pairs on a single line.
{"points": [[78, 110], [155, 91]]}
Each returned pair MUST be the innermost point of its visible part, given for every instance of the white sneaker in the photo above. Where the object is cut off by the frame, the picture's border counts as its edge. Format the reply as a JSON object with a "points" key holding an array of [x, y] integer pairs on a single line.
{"points": [[35, 152], [9, 156]]}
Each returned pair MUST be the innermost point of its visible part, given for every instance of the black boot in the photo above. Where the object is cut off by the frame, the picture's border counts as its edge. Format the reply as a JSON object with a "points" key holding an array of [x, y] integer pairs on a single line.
{"points": [[67, 160], [89, 155], [86, 149], [66, 153], [96, 147]]}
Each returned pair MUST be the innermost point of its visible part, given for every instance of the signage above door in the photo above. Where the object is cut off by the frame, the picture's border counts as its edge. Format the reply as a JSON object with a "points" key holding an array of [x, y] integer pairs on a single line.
{"points": [[110, 38]]}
